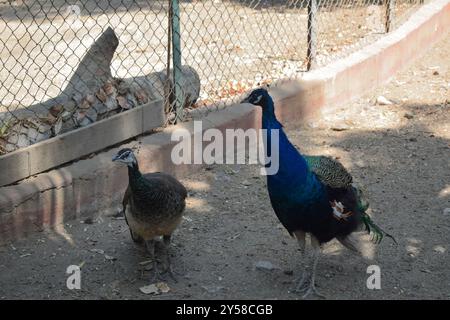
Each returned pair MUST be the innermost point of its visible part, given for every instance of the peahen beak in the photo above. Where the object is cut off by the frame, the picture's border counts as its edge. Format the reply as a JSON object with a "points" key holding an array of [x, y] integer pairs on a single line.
{"points": [[115, 158]]}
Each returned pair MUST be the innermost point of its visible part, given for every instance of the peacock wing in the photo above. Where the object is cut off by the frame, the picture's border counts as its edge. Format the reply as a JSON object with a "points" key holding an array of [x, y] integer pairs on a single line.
{"points": [[330, 172]]}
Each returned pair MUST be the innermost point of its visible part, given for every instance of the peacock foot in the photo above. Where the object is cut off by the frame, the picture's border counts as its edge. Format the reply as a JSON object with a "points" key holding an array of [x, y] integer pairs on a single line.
{"points": [[312, 290], [171, 273], [301, 283]]}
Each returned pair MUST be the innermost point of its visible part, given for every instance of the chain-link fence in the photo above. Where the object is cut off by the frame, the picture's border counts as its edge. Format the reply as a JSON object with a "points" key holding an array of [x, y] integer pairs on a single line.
{"points": [[66, 64]]}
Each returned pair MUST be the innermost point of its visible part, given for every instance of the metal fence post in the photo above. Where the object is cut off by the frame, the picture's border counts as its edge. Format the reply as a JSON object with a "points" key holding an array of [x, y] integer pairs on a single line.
{"points": [[390, 4], [176, 59], [312, 34]]}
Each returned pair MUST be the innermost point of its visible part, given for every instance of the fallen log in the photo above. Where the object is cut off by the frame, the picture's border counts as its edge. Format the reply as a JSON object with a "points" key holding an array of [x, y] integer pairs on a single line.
{"points": [[92, 94]]}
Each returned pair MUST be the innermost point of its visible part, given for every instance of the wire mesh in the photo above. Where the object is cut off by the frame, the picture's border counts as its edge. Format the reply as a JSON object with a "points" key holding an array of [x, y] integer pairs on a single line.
{"points": [[66, 64]]}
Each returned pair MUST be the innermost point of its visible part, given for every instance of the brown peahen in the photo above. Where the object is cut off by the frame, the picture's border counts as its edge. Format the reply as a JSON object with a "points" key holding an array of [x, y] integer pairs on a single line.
{"points": [[153, 205]]}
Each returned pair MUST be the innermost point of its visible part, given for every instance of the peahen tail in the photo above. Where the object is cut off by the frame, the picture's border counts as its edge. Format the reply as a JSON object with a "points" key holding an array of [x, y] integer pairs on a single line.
{"points": [[377, 232]]}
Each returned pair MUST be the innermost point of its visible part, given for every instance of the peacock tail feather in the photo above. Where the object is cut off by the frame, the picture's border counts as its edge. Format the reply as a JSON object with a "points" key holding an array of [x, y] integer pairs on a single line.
{"points": [[333, 174], [377, 232]]}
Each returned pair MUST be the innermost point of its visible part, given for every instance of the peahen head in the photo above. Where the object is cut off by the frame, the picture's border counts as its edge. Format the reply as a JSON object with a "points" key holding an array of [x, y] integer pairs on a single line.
{"points": [[260, 97], [126, 156]]}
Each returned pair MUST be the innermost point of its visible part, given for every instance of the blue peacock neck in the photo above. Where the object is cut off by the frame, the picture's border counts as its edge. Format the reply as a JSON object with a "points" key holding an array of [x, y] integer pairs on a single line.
{"points": [[290, 159]]}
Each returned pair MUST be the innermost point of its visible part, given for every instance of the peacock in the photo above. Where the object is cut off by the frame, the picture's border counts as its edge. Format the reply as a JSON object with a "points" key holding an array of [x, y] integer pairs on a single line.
{"points": [[153, 206], [313, 195]]}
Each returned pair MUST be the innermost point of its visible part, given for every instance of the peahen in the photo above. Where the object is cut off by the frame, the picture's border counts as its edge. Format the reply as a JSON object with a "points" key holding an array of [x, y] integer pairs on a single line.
{"points": [[312, 195], [153, 205]]}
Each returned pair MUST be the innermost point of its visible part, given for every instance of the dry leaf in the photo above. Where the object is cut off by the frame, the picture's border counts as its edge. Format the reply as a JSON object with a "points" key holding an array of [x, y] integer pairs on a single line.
{"points": [[123, 103], [90, 98], [101, 95], [58, 126], [163, 287], [141, 96], [150, 289], [109, 88], [56, 110]]}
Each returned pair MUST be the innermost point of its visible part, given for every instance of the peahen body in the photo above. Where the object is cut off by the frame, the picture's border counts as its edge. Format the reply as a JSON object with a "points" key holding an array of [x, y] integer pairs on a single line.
{"points": [[153, 205], [312, 195]]}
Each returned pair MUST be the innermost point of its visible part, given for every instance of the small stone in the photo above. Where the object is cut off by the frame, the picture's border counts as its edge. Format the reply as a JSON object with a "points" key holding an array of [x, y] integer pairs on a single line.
{"points": [[23, 141], [446, 212], [408, 116], [265, 265], [288, 272], [435, 73], [383, 101], [32, 133], [99, 251], [246, 183], [10, 147], [439, 249], [213, 289], [107, 257]]}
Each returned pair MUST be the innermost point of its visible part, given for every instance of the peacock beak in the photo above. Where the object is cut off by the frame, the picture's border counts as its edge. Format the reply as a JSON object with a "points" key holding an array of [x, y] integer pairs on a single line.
{"points": [[246, 100]]}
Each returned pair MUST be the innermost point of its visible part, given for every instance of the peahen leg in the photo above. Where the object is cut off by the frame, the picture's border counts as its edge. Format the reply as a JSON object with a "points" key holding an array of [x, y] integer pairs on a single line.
{"points": [[301, 281], [166, 240], [150, 244], [315, 259]]}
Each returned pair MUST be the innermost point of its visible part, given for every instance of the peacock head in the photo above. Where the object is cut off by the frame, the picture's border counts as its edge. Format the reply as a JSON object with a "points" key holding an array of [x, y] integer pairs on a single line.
{"points": [[126, 156], [260, 97]]}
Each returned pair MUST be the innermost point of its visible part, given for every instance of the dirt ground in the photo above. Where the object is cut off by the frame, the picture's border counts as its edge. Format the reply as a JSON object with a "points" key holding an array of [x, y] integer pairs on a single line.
{"points": [[400, 153]]}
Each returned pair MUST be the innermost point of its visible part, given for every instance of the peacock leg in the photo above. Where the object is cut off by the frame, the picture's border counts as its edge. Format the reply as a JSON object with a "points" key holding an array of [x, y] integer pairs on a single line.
{"points": [[315, 257], [301, 281], [166, 240], [151, 244]]}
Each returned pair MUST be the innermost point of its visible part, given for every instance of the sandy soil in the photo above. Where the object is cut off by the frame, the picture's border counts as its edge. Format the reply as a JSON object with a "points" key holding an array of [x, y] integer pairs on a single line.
{"points": [[399, 152]]}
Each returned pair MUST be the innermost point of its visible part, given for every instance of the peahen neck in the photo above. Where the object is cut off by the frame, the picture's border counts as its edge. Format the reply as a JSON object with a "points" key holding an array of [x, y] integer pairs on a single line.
{"points": [[133, 173]]}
